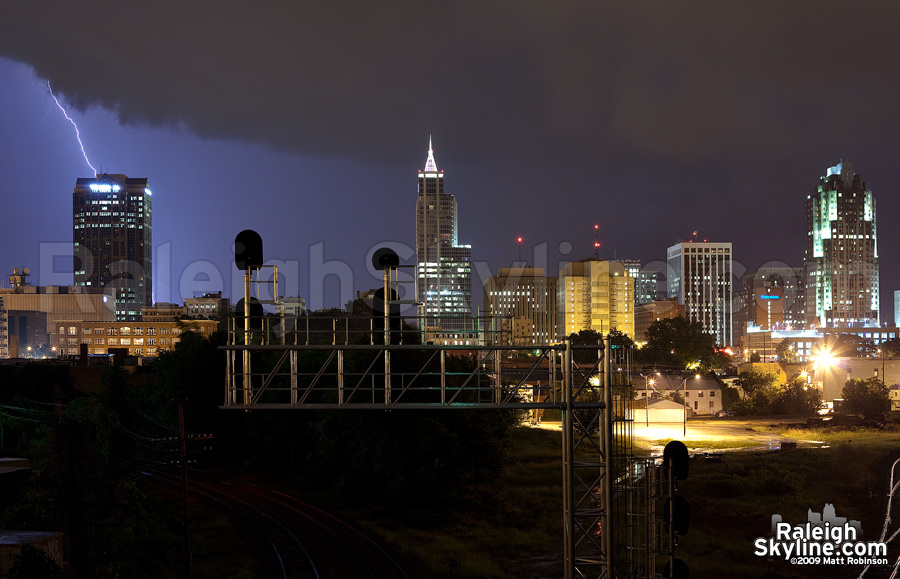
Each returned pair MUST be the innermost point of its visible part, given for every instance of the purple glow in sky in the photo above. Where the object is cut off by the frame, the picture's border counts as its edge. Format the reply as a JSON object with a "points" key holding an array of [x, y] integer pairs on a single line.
{"points": [[308, 123]]}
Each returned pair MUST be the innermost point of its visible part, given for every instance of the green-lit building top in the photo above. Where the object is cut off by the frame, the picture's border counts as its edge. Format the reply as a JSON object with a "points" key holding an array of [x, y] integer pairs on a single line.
{"points": [[841, 258]]}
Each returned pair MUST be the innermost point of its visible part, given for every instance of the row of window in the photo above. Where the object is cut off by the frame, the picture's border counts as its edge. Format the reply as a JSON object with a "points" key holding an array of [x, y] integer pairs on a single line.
{"points": [[103, 351], [116, 331], [122, 341]]}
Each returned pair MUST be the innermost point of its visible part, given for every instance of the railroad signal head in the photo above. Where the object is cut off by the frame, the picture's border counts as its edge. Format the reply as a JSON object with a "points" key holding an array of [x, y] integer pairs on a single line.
{"points": [[256, 314], [677, 571], [385, 257], [678, 511], [248, 250], [675, 455]]}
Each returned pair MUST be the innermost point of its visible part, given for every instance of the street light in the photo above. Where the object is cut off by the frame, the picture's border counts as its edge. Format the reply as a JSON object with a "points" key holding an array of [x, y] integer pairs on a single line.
{"points": [[684, 401], [823, 359], [648, 381]]}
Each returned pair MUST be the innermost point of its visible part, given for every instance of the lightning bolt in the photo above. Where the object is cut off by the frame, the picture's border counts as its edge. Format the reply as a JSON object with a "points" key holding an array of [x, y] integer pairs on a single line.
{"points": [[77, 134]]}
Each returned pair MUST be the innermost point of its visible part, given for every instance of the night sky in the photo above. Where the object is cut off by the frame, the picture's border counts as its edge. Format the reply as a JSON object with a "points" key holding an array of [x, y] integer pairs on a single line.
{"points": [[308, 122]]}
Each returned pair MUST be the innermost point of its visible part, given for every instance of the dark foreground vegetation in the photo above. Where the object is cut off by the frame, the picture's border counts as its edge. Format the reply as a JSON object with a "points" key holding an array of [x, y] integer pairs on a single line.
{"points": [[454, 494], [88, 450]]}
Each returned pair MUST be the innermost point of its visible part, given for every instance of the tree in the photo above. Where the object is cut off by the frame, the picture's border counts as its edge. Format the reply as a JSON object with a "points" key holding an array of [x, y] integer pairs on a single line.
{"points": [[785, 353], [591, 338], [586, 338], [730, 397], [680, 344], [763, 396], [867, 396], [891, 348], [759, 392], [798, 397], [33, 563], [190, 371]]}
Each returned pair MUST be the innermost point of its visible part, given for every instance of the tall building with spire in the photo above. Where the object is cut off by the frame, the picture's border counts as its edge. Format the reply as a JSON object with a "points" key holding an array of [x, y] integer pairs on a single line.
{"points": [[113, 235], [443, 266], [841, 258]]}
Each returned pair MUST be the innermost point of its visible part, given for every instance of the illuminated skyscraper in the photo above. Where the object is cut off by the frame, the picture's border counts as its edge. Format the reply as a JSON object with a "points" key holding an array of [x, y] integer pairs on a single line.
{"points": [[700, 278], [594, 294], [841, 257], [443, 266], [113, 240], [646, 280], [520, 305]]}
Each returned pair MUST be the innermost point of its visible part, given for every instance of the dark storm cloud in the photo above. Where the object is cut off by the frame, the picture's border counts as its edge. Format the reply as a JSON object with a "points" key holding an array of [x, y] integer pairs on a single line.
{"points": [[671, 80]]}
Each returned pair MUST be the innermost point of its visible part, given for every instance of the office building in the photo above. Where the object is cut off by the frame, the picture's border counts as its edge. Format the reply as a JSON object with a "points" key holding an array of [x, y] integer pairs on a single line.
{"points": [[162, 311], [897, 307], [785, 282], [28, 314], [646, 314], [209, 306], [443, 266], [841, 258], [645, 281], [520, 307], [772, 298], [112, 235], [597, 295], [142, 339], [700, 279]]}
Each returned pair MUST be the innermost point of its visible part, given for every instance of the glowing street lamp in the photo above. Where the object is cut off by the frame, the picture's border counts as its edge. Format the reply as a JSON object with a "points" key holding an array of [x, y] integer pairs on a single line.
{"points": [[823, 359], [648, 381]]}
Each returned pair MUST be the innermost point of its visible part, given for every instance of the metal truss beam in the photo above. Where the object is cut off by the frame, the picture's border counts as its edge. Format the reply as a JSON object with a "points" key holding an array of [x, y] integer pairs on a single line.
{"points": [[413, 377], [389, 377]]}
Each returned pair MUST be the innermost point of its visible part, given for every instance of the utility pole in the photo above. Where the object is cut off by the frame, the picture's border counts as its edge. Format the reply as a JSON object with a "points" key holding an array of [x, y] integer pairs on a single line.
{"points": [[184, 481]]}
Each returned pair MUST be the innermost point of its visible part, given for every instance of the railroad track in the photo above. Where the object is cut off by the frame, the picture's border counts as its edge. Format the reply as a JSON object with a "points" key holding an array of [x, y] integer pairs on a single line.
{"points": [[296, 540]]}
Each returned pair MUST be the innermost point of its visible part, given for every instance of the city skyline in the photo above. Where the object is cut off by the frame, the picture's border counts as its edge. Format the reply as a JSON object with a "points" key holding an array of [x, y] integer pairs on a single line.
{"points": [[657, 141]]}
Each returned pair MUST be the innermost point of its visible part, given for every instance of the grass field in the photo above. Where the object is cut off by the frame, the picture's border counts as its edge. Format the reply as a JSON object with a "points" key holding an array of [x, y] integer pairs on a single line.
{"points": [[732, 500], [513, 529], [518, 533]]}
